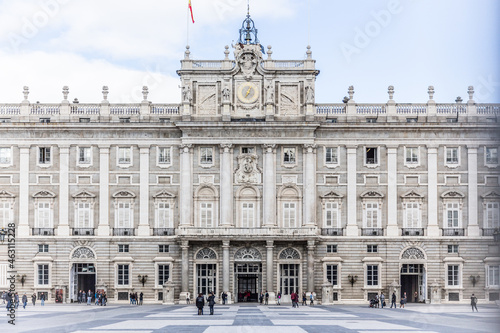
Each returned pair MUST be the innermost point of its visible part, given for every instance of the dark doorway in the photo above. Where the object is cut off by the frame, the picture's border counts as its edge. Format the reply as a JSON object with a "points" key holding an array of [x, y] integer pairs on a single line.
{"points": [[86, 282], [409, 284], [247, 288]]}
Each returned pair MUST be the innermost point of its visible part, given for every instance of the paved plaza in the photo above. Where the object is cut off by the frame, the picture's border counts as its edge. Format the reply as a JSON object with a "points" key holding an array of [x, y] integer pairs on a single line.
{"points": [[254, 318]]}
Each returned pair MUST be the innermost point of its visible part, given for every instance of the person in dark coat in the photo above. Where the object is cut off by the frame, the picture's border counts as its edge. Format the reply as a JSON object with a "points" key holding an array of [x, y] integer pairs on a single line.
{"points": [[473, 302], [33, 299], [211, 303], [25, 300], [200, 303], [393, 300]]}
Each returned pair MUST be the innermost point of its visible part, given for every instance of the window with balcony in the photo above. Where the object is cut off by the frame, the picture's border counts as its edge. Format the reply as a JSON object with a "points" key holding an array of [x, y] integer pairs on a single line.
{"points": [[5, 213], [491, 212], [247, 214], [83, 215], [452, 215], [44, 205], [43, 215], [124, 213], [206, 214], [372, 214], [331, 215], [289, 215]]}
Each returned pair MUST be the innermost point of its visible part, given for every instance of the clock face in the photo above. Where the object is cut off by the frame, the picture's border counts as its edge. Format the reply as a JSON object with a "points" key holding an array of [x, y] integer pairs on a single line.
{"points": [[248, 92]]}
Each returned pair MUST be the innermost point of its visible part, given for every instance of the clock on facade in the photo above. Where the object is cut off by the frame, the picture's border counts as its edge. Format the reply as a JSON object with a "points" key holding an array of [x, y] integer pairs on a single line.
{"points": [[248, 92]]}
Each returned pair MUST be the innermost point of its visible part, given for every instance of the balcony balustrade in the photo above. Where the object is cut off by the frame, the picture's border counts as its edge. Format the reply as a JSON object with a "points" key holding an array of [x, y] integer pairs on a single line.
{"points": [[331, 231], [412, 231], [453, 232], [83, 232], [163, 232], [123, 232], [43, 231], [372, 232]]}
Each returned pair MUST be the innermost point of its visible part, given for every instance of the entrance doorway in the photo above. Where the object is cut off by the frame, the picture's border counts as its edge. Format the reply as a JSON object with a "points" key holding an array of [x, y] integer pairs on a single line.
{"points": [[248, 281], [82, 277], [413, 282]]}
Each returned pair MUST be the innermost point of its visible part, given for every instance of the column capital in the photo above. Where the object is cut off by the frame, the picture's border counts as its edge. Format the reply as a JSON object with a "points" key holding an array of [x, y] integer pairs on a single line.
{"points": [[144, 148], [310, 147], [270, 244], [392, 148], [311, 244], [225, 243], [268, 148], [351, 147], [185, 244], [104, 148], [185, 148], [472, 148], [63, 148], [433, 146], [24, 146], [226, 147]]}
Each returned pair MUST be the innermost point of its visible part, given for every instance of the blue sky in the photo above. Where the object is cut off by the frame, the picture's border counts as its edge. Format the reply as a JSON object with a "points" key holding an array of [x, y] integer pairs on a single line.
{"points": [[371, 44]]}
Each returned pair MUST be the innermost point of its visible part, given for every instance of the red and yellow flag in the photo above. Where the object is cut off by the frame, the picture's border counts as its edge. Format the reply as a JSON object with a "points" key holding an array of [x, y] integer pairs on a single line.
{"points": [[191, 10]]}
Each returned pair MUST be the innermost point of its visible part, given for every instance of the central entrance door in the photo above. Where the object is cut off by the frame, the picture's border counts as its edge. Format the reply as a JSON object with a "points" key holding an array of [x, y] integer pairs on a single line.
{"points": [[413, 282], [248, 281], [83, 277]]}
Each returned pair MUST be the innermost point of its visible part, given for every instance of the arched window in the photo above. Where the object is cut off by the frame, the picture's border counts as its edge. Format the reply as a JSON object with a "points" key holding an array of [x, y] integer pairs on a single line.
{"points": [[247, 207]]}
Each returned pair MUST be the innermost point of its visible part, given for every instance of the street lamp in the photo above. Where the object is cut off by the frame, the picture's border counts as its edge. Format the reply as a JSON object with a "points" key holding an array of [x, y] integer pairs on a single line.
{"points": [[352, 279], [142, 279]]}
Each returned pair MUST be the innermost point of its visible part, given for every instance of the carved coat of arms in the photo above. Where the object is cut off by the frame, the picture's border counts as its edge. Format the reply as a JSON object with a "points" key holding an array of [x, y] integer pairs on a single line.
{"points": [[248, 172]]}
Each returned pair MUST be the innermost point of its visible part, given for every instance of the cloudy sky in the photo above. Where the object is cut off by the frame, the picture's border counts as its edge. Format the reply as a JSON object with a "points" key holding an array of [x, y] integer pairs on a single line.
{"points": [[125, 44]]}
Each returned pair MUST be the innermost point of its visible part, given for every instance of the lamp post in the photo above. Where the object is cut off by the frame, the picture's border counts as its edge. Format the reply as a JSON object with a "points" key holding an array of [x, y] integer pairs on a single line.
{"points": [[352, 279], [474, 280], [21, 278], [142, 279]]}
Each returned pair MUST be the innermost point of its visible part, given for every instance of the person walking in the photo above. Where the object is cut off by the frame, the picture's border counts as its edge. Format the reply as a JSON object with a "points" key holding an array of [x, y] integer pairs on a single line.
{"points": [[33, 299], [211, 303], [42, 299], [224, 298], [89, 298], [266, 298], [403, 301], [16, 300], [304, 299], [393, 300], [200, 303], [311, 298], [141, 297], [382, 300], [279, 298], [473, 302], [25, 300], [188, 300]]}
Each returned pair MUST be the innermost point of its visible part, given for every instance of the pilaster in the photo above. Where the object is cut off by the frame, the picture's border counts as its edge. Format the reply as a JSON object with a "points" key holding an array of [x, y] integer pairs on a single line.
{"points": [[144, 228], [186, 186], [226, 193], [392, 192], [473, 226], [310, 186], [103, 229], [352, 226], [269, 195], [225, 266], [23, 229], [63, 226], [432, 224], [185, 273], [310, 265]]}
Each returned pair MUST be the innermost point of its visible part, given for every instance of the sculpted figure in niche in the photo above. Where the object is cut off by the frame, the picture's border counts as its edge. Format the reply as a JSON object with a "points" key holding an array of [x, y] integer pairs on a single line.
{"points": [[309, 94], [186, 94], [269, 93], [225, 94]]}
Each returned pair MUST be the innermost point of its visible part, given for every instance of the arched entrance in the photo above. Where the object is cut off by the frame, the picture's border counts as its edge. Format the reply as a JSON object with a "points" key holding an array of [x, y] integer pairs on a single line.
{"points": [[247, 275], [413, 276], [82, 274]]}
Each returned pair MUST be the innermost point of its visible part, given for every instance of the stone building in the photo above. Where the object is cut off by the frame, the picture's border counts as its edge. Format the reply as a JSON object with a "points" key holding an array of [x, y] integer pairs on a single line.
{"points": [[250, 185]]}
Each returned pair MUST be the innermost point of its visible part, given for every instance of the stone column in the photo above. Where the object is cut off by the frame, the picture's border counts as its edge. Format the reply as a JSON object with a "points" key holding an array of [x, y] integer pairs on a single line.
{"points": [[473, 227], [392, 192], [185, 274], [432, 223], [23, 229], [186, 186], [225, 269], [310, 265], [309, 186], [269, 195], [226, 190], [63, 227], [103, 228], [352, 224], [144, 227], [270, 270]]}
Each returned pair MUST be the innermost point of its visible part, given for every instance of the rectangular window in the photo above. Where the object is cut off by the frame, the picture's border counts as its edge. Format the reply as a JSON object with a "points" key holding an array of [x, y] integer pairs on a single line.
{"points": [[411, 155], [412, 214], [84, 155], [331, 215], [4, 214], [452, 155], [83, 215], [164, 215], [452, 214], [124, 215], [247, 150], [43, 275], [493, 276], [331, 155], [371, 156], [372, 275], [123, 248], [452, 248], [44, 155], [44, 215], [331, 249], [124, 155], [491, 155], [332, 274], [44, 120], [163, 274], [289, 156], [247, 215], [453, 276], [206, 155], [372, 248], [84, 120], [123, 275], [162, 248], [289, 214], [124, 120], [164, 155], [371, 212], [43, 248], [492, 215], [206, 214], [371, 120], [5, 155]]}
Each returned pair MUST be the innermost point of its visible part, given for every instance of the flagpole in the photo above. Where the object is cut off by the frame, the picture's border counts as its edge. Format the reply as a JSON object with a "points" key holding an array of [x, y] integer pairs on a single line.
{"points": [[187, 26], [309, 23]]}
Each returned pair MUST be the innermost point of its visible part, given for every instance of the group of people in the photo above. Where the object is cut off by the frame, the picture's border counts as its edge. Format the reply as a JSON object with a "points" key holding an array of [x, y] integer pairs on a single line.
{"points": [[200, 303], [13, 300], [264, 297], [379, 301], [99, 297], [136, 299], [295, 299]]}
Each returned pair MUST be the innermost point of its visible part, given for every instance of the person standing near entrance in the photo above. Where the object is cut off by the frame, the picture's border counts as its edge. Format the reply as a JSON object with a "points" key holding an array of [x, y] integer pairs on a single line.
{"points": [[89, 298], [33, 299], [200, 303], [382, 300], [42, 299], [393, 300], [311, 298], [266, 298], [211, 303], [141, 296], [403, 301], [415, 296], [25, 300], [473, 302], [279, 297], [224, 297]]}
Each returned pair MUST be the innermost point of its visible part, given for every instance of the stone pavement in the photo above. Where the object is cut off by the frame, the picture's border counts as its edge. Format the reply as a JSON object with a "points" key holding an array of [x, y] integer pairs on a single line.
{"points": [[416, 318]]}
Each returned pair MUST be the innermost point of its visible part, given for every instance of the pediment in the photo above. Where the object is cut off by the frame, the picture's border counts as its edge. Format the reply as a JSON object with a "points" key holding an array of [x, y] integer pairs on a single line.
{"points": [[83, 195], [372, 195], [332, 195], [492, 195], [44, 194], [4, 194], [124, 194], [452, 195], [164, 195], [412, 195]]}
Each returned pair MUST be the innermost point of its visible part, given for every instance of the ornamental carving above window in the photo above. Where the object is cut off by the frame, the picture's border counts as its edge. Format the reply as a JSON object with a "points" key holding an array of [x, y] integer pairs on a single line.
{"points": [[206, 253], [248, 254], [413, 253], [83, 253], [289, 253]]}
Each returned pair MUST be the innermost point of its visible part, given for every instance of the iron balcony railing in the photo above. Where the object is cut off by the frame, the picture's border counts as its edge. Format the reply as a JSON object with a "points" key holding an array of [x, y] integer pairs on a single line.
{"points": [[489, 231], [43, 231], [372, 232], [83, 232], [331, 231], [412, 231], [123, 232], [453, 232], [163, 232]]}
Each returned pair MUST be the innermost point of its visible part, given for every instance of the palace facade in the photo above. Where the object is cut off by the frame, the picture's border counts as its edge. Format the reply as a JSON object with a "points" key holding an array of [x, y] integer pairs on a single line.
{"points": [[250, 185]]}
